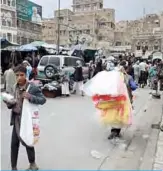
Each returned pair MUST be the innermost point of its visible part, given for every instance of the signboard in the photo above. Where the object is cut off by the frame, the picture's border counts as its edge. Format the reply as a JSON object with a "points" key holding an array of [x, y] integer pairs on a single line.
{"points": [[29, 11]]}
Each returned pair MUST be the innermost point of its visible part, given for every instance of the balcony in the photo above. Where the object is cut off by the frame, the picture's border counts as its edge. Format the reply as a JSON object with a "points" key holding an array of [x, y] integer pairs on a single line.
{"points": [[8, 28], [10, 8]]}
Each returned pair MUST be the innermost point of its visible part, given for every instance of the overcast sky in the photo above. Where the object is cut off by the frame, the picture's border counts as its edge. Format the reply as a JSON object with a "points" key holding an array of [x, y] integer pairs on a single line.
{"points": [[125, 9]]}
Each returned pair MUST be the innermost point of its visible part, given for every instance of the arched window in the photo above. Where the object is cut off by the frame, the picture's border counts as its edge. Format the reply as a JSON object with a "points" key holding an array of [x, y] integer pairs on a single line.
{"points": [[9, 19], [13, 3], [3, 16], [4, 2], [9, 2]]}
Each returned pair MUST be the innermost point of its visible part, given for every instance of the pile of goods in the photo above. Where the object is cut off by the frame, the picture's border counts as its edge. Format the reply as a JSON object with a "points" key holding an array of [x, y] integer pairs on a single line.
{"points": [[52, 89], [110, 96]]}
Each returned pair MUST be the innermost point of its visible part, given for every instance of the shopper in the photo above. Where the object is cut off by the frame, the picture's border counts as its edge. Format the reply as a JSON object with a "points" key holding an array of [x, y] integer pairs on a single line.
{"points": [[35, 96]]}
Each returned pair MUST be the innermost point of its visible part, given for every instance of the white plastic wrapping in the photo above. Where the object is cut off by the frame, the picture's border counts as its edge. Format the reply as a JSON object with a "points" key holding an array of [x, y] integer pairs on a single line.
{"points": [[104, 83]]}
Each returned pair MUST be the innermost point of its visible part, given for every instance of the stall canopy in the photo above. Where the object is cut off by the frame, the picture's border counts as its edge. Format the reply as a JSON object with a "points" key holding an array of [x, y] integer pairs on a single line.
{"points": [[27, 47], [39, 44], [157, 55], [5, 43]]}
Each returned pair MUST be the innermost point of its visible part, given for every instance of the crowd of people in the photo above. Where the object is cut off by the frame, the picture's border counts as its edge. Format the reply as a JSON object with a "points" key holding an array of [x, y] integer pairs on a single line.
{"points": [[140, 73]]}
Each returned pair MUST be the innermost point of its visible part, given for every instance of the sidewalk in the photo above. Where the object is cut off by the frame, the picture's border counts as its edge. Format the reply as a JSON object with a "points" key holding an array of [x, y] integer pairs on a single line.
{"points": [[139, 152], [158, 162]]}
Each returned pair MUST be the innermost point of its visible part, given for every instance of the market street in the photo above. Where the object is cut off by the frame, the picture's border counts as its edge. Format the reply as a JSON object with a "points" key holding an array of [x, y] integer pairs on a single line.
{"points": [[70, 131]]}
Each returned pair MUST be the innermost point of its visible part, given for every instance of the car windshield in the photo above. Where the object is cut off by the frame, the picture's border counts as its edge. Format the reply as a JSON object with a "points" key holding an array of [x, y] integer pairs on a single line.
{"points": [[54, 61]]}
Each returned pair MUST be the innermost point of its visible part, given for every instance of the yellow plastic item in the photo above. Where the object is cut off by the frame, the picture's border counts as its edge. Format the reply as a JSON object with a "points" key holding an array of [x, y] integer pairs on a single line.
{"points": [[118, 115]]}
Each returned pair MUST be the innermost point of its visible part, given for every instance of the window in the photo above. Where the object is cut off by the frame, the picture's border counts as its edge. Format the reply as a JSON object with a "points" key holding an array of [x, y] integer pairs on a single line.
{"points": [[69, 61], [9, 2], [87, 31], [14, 38], [4, 2], [3, 22], [155, 47], [118, 44], [13, 3], [44, 61], [9, 23], [18, 40], [9, 37], [138, 48], [4, 35], [54, 61]]}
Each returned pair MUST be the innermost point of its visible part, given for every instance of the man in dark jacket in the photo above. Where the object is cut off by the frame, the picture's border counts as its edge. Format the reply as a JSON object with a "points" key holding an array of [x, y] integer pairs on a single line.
{"points": [[35, 96], [78, 78]]}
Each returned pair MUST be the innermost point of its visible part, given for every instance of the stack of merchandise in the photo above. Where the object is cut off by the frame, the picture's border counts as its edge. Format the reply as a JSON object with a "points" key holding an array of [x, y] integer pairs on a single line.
{"points": [[110, 96]]}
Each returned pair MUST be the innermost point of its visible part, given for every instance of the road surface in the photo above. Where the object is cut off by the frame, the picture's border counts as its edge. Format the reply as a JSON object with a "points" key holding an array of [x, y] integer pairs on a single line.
{"points": [[70, 131]]}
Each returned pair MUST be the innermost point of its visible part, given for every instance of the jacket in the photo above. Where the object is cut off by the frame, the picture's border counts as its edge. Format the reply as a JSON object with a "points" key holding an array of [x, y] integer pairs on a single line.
{"points": [[78, 74], [36, 98]]}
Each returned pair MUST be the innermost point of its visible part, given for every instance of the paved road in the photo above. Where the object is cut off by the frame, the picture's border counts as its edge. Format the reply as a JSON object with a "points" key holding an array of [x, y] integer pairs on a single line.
{"points": [[69, 132]]}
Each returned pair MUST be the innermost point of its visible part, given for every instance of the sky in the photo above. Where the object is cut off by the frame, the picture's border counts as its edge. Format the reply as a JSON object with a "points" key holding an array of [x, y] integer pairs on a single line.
{"points": [[125, 9]]}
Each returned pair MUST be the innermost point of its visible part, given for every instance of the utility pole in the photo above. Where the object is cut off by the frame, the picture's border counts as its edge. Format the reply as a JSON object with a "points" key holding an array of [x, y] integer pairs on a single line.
{"points": [[58, 37]]}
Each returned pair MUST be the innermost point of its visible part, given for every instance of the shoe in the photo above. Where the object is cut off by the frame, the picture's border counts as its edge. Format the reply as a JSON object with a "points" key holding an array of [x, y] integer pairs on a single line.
{"points": [[73, 92], [33, 166], [67, 95], [14, 168], [112, 135]]}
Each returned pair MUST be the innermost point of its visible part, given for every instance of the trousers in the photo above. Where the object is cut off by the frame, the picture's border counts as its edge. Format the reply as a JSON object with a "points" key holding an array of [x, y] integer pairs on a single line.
{"points": [[15, 143]]}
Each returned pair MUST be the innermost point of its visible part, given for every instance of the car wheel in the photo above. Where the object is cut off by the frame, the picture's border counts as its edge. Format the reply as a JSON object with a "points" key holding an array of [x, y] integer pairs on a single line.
{"points": [[50, 71]]}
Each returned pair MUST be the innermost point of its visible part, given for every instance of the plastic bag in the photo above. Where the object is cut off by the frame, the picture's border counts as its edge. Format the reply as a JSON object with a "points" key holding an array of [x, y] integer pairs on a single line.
{"points": [[29, 128], [105, 83], [117, 114], [133, 84]]}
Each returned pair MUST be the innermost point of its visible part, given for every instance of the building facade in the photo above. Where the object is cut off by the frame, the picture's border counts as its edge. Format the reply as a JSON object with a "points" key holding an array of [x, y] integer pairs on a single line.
{"points": [[18, 21], [149, 34], [88, 21], [29, 20], [8, 20], [49, 31]]}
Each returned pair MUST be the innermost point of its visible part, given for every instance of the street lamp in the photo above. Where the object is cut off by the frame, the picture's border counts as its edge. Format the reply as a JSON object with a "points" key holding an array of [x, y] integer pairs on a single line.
{"points": [[58, 37]]}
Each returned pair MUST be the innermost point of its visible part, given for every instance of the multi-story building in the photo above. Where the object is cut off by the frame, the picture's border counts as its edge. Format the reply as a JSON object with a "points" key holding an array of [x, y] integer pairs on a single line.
{"points": [[88, 21], [143, 34], [149, 34], [49, 30], [8, 20], [29, 20]]}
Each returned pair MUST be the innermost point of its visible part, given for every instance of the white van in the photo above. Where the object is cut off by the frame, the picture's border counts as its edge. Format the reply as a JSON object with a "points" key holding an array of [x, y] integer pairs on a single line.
{"points": [[59, 61]]}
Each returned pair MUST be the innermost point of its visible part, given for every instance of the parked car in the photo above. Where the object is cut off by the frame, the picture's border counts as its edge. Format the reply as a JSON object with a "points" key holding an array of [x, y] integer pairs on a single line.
{"points": [[61, 63]]}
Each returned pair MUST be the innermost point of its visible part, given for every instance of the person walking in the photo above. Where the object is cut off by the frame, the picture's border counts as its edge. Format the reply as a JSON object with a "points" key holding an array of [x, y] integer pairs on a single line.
{"points": [[136, 72], [35, 96], [98, 67], [78, 78], [65, 84], [28, 68], [115, 131], [143, 74], [9, 79]]}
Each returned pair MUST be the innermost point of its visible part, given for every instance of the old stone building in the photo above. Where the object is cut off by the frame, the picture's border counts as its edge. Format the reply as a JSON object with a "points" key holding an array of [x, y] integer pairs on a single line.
{"points": [[49, 30], [88, 21], [18, 23], [29, 26], [149, 34], [8, 20], [143, 34]]}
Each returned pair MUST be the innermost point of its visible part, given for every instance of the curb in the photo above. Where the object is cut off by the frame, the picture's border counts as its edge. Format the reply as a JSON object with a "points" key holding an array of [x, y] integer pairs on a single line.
{"points": [[149, 156], [158, 160]]}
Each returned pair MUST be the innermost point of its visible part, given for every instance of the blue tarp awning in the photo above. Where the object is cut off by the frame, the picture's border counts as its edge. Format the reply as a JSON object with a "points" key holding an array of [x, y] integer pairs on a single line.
{"points": [[27, 47]]}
